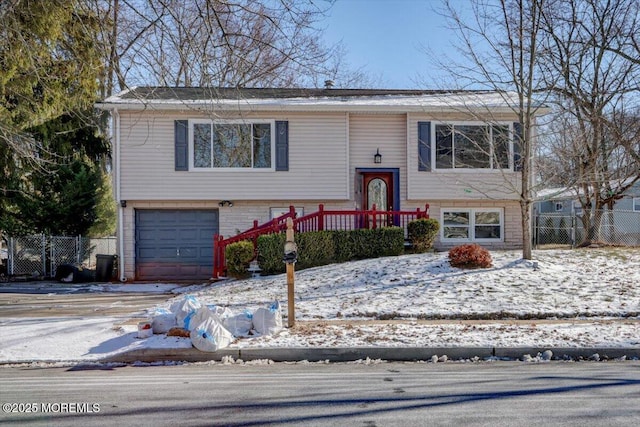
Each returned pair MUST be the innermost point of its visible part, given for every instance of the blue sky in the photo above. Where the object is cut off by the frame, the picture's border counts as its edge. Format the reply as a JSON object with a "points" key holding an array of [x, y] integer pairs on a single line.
{"points": [[388, 37]]}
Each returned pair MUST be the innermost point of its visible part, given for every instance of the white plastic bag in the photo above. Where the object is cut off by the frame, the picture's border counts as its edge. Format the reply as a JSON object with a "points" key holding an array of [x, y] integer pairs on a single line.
{"points": [[162, 321], [197, 317], [239, 324], [220, 311], [268, 321], [183, 308], [211, 335]]}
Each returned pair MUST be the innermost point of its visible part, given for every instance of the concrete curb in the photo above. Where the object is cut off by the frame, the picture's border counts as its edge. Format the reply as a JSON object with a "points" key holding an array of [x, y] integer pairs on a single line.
{"points": [[343, 354]]}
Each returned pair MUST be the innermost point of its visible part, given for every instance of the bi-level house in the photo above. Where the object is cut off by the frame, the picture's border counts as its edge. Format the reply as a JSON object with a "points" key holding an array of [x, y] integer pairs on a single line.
{"points": [[193, 162]]}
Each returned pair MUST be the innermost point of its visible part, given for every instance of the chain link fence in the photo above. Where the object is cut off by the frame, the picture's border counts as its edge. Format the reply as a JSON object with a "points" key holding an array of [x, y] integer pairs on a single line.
{"points": [[39, 256], [619, 228]]}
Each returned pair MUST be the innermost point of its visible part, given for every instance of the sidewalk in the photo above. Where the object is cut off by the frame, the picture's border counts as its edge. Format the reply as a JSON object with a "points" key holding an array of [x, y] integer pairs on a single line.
{"points": [[240, 350]]}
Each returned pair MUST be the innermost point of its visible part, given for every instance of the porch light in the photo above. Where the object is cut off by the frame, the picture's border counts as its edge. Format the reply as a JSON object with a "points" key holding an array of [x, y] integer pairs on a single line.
{"points": [[377, 158]]}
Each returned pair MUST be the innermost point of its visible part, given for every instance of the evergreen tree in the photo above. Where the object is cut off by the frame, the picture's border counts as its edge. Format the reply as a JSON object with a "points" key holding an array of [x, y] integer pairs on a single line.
{"points": [[50, 64]]}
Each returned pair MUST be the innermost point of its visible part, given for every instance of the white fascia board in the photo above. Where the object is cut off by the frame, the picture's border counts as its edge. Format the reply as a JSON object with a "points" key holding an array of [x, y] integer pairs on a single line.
{"points": [[279, 105]]}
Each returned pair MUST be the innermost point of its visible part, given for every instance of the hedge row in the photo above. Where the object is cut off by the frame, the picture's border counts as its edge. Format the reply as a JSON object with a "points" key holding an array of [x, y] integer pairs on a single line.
{"points": [[325, 247]]}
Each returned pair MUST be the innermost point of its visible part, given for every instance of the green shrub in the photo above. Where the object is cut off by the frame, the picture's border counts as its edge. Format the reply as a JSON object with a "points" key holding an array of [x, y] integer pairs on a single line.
{"points": [[314, 248], [326, 247], [344, 246], [271, 252], [238, 256], [387, 241], [470, 256], [422, 233]]}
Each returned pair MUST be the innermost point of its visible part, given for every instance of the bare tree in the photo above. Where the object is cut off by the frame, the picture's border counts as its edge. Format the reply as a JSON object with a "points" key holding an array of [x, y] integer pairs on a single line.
{"points": [[591, 69], [215, 43], [499, 50]]}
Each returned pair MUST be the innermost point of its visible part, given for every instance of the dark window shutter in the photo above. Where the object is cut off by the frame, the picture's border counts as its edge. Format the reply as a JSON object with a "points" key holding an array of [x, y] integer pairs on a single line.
{"points": [[424, 146], [282, 146], [181, 145], [517, 146]]}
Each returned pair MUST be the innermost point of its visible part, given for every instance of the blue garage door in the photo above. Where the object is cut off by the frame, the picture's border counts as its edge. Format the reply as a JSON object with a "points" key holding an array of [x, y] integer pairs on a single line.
{"points": [[175, 244]]}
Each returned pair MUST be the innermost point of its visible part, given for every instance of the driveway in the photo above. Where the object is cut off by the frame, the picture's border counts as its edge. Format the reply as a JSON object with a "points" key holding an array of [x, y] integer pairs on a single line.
{"points": [[51, 299]]}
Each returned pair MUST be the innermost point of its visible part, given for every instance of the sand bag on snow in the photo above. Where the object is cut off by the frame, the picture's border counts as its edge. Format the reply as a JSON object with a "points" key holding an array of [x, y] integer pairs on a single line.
{"points": [[268, 321], [211, 335], [183, 308]]}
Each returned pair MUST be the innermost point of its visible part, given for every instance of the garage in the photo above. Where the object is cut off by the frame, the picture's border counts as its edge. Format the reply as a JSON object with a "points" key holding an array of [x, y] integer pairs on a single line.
{"points": [[174, 244]]}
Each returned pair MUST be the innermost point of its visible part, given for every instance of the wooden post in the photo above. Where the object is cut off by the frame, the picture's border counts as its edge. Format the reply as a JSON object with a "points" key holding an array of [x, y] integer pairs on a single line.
{"points": [[290, 240]]}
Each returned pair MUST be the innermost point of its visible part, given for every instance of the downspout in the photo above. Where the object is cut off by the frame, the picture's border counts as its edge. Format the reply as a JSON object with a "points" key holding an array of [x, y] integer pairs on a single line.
{"points": [[116, 144]]}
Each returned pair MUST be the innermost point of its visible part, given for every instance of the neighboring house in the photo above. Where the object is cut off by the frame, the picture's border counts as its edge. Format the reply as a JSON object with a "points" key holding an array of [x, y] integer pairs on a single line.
{"points": [[191, 162], [564, 201], [555, 207], [559, 201]]}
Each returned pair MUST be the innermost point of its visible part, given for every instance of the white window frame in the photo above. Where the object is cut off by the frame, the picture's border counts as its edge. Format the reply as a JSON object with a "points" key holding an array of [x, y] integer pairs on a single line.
{"points": [[472, 225], [636, 204], [558, 206], [490, 169], [270, 122], [276, 212]]}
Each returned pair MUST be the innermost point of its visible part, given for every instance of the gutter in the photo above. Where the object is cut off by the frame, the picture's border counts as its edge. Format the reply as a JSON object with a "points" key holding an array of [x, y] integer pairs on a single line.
{"points": [[116, 145], [308, 106]]}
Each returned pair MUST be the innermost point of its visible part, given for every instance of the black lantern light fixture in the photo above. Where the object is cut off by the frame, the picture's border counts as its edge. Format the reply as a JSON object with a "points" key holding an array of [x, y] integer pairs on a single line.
{"points": [[377, 158]]}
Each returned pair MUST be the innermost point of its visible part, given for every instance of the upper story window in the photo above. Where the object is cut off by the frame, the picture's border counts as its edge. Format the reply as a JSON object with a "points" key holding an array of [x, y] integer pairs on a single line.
{"points": [[232, 144], [468, 146], [636, 204]]}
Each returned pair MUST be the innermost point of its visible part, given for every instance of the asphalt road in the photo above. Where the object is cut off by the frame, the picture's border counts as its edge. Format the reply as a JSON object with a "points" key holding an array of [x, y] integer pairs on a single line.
{"points": [[385, 394]]}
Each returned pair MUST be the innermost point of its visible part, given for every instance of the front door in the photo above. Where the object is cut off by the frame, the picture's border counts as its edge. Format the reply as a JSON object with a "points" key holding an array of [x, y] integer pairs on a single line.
{"points": [[377, 190]]}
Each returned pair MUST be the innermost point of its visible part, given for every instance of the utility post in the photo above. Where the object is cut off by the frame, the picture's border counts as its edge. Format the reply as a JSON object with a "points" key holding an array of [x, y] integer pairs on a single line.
{"points": [[290, 258]]}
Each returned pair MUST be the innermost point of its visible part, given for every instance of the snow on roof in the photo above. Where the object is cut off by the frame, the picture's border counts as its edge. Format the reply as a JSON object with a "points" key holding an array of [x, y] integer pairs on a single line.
{"points": [[311, 99], [556, 194]]}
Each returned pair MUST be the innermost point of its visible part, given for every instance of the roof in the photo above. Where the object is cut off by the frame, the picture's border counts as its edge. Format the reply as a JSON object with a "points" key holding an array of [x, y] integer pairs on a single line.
{"points": [[304, 99], [200, 93]]}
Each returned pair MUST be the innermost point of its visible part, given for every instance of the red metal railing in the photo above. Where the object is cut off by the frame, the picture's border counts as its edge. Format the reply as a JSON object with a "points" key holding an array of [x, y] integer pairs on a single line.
{"points": [[317, 221]]}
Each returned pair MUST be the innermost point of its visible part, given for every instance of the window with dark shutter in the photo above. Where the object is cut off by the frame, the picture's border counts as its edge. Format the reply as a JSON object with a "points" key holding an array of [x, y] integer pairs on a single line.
{"points": [[424, 146], [282, 145], [181, 145]]}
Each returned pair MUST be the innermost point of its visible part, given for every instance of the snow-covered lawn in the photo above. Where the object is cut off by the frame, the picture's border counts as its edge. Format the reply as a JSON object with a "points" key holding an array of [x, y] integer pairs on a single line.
{"points": [[580, 298], [576, 294], [558, 284]]}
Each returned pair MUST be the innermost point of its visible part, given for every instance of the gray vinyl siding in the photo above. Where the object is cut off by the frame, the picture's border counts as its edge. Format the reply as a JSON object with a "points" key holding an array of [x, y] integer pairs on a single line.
{"points": [[317, 162]]}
